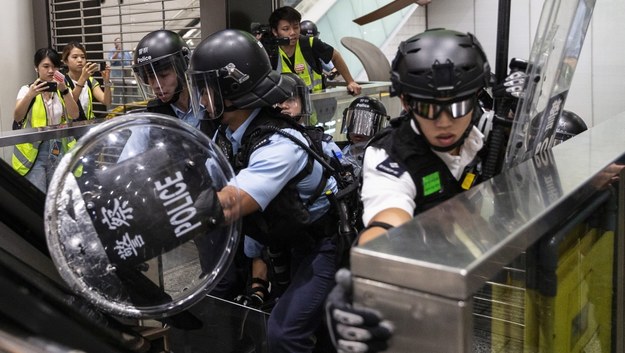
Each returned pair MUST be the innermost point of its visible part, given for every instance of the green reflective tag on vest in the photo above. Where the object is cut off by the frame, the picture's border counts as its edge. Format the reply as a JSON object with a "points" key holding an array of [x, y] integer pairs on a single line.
{"points": [[431, 183]]}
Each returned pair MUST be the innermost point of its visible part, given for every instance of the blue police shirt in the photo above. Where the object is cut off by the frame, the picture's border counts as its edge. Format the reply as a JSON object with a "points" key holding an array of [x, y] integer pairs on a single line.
{"points": [[188, 116], [273, 165]]}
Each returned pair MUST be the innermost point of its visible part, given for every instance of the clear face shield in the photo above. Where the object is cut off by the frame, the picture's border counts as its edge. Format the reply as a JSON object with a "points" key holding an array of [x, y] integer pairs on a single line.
{"points": [[298, 106], [161, 78], [205, 93], [363, 122]]}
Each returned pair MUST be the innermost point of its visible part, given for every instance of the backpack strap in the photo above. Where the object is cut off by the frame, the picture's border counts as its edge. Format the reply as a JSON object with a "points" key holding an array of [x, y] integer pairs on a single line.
{"points": [[21, 123], [69, 82], [307, 52]]}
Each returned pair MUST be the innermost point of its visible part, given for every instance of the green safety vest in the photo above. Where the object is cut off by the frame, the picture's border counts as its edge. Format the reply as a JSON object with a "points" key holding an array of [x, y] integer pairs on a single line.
{"points": [[25, 154]]}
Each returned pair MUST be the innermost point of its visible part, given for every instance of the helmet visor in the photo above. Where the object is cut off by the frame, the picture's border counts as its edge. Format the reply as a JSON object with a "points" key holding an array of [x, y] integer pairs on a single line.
{"points": [[363, 122], [161, 78], [205, 92], [298, 105]]}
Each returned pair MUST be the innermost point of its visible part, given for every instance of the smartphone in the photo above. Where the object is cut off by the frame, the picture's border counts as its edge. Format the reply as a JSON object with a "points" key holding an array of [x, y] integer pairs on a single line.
{"points": [[103, 66], [50, 86]]}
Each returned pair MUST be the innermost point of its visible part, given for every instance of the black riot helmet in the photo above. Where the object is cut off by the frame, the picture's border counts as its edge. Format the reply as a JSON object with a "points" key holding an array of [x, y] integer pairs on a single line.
{"points": [[569, 125], [158, 56], [308, 29], [364, 116], [439, 64], [232, 65], [438, 70], [297, 105]]}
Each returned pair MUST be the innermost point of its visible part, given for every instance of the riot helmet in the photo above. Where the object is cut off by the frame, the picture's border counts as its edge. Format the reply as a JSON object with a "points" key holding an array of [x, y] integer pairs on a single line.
{"points": [[159, 65], [365, 116], [441, 70], [308, 29], [569, 125], [297, 105], [439, 64], [232, 65]]}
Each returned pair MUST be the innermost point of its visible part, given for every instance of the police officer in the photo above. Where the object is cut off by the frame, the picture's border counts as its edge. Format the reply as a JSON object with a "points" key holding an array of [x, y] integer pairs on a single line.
{"points": [[364, 117], [160, 61], [569, 125], [308, 28], [279, 185], [429, 154]]}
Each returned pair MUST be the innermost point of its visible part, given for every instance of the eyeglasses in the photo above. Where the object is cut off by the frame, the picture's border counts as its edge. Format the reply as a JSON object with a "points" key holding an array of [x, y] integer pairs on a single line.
{"points": [[431, 110]]}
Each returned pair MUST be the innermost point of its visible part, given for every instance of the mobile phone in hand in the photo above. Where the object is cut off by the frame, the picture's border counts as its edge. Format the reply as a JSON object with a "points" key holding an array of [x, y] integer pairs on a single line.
{"points": [[102, 66], [50, 86]]}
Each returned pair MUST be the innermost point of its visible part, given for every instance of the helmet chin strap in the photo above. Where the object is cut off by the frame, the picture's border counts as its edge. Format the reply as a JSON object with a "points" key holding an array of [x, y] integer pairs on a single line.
{"points": [[452, 146], [176, 95]]}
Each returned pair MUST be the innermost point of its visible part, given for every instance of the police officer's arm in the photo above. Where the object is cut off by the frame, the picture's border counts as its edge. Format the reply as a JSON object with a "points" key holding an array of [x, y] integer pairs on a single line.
{"points": [[340, 65], [228, 197], [391, 216]]}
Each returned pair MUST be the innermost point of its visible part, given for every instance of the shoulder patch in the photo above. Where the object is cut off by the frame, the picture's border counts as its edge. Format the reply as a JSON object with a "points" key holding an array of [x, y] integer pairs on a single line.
{"points": [[391, 167]]}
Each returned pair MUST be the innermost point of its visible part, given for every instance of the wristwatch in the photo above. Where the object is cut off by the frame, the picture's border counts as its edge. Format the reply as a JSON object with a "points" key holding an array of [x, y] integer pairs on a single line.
{"points": [[65, 91]]}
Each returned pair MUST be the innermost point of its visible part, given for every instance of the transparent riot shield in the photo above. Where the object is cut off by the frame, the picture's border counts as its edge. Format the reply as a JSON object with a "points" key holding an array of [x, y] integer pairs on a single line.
{"points": [[553, 59], [132, 217]]}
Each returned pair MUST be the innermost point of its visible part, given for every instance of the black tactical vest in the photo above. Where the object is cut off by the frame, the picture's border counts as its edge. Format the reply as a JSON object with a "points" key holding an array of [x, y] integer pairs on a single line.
{"points": [[286, 218], [432, 178]]}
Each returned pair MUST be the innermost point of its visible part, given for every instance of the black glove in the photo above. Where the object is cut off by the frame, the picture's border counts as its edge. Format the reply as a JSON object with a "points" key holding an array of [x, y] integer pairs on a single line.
{"points": [[354, 329]]}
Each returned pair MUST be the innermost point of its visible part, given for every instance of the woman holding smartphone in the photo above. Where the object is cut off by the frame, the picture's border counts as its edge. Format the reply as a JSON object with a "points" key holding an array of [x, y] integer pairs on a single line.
{"points": [[45, 102], [79, 78]]}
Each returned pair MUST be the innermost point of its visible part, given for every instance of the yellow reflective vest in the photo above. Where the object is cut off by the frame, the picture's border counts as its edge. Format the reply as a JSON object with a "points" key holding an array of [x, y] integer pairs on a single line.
{"points": [[90, 84], [25, 154], [313, 80]]}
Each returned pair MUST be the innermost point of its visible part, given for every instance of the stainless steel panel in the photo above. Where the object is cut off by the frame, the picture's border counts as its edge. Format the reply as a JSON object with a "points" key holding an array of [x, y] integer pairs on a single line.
{"points": [[413, 314], [452, 249]]}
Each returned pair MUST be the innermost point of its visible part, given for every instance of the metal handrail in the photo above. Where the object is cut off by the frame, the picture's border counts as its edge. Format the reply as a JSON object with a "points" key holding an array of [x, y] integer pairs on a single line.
{"points": [[78, 128]]}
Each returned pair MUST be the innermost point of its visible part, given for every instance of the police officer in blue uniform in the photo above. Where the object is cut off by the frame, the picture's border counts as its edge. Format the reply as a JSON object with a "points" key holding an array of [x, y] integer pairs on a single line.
{"points": [[160, 61], [280, 187], [364, 117], [430, 153]]}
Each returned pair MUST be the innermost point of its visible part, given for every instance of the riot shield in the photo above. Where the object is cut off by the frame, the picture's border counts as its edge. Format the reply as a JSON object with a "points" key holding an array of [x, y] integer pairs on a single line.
{"points": [[132, 217], [553, 58]]}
